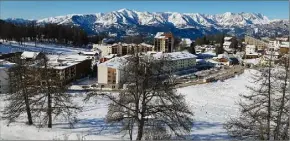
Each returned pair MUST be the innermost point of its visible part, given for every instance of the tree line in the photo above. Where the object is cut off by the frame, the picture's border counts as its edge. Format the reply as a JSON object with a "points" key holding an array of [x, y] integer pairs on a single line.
{"points": [[46, 33]]}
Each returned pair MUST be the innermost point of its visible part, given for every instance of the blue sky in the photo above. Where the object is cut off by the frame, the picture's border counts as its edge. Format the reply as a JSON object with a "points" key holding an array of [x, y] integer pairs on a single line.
{"points": [[44, 9]]}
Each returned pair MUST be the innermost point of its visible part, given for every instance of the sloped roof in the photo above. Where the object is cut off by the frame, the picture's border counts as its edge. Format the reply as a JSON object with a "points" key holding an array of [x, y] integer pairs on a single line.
{"points": [[116, 62], [29, 55]]}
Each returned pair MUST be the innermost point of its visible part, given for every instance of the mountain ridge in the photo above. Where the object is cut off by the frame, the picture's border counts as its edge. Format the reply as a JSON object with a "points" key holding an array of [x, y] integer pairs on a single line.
{"points": [[130, 21]]}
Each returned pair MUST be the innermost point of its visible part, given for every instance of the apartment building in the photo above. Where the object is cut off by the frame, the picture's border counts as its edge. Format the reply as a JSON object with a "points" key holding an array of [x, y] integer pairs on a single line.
{"points": [[122, 49], [164, 42], [4, 76], [110, 72], [176, 61], [227, 43], [284, 48], [260, 45], [251, 52], [67, 68]]}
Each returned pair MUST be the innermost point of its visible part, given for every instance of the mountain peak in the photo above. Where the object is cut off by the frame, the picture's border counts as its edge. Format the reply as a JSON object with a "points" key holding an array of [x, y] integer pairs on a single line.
{"points": [[124, 10]]}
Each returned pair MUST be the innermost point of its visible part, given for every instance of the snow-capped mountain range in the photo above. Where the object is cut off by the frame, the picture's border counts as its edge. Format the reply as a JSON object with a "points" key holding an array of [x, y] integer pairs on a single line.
{"points": [[126, 22]]}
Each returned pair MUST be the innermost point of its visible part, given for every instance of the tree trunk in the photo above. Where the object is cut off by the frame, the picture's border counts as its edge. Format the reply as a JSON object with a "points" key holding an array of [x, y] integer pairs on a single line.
{"points": [[269, 98], [29, 117], [26, 100], [140, 129], [49, 111]]}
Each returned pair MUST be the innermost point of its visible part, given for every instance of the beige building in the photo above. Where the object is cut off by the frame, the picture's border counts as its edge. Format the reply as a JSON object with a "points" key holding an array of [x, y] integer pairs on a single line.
{"points": [[163, 42], [122, 49], [110, 73], [260, 45]]}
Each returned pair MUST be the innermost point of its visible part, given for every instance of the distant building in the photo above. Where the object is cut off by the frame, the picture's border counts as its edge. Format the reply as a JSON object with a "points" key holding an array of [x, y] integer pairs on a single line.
{"points": [[260, 45], [4, 73], [185, 42], [176, 61], [227, 43], [251, 52], [93, 55], [163, 42], [284, 48], [122, 49]]}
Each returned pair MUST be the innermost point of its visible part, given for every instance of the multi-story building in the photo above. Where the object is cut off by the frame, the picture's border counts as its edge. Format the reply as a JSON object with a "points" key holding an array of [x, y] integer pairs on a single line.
{"points": [[110, 73], [227, 43], [176, 61], [122, 49], [164, 42], [4, 75], [284, 48], [260, 45], [250, 52], [68, 68]]}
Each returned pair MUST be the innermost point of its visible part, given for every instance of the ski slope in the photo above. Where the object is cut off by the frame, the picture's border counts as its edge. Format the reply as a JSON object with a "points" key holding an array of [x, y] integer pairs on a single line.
{"points": [[213, 104]]}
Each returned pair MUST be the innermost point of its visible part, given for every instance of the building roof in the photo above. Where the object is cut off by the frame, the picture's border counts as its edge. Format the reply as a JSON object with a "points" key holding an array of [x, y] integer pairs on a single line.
{"points": [[174, 55], [90, 52], [64, 61], [228, 38], [161, 35], [227, 43], [146, 45], [29, 55], [284, 44], [116, 62]]}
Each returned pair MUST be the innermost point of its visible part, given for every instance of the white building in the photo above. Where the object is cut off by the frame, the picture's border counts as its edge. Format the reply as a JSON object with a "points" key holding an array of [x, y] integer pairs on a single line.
{"points": [[110, 72], [4, 76], [177, 61], [227, 43], [251, 52], [102, 49]]}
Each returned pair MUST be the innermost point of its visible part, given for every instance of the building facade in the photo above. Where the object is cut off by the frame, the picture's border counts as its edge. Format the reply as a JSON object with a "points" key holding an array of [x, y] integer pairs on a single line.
{"points": [[4, 76], [110, 73], [260, 45], [164, 42], [121, 49]]}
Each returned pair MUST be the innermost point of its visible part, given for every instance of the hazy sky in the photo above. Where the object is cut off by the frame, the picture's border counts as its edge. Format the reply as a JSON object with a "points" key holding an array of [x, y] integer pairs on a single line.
{"points": [[44, 9]]}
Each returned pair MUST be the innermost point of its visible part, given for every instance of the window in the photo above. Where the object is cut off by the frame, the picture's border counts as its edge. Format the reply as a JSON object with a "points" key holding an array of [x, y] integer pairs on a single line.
{"points": [[113, 87]]}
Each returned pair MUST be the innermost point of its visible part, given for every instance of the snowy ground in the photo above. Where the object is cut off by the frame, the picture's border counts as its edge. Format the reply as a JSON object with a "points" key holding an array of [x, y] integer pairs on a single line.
{"points": [[213, 104], [12, 46]]}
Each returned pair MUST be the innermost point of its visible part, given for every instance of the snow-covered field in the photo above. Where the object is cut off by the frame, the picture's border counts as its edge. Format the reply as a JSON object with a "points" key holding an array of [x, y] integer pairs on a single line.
{"points": [[13, 46], [213, 104]]}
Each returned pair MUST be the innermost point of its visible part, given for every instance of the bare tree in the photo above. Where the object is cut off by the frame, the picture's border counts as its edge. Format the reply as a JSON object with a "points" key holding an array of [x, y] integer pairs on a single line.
{"points": [[53, 99], [21, 83], [265, 111], [150, 96], [281, 131]]}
